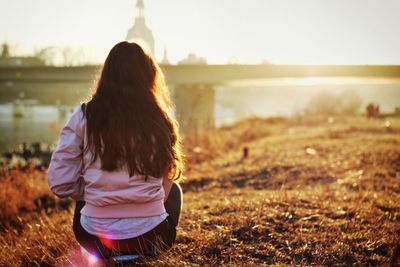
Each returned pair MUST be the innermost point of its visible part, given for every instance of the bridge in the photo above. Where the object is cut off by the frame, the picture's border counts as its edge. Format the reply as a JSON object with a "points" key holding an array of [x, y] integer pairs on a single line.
{"points": [[193, 86]]}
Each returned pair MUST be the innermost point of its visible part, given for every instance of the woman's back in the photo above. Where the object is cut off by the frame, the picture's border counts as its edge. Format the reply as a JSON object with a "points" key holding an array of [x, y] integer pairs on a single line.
{"points": [[118, 156], [108, 194]]}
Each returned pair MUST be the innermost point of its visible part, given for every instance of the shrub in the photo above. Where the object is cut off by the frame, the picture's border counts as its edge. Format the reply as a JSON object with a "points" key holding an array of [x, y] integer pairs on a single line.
{"points": [[326, 103]]}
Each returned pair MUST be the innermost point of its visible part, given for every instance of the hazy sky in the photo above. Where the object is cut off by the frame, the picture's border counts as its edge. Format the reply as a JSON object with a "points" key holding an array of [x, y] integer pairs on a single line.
{"points": [[282, 31]]}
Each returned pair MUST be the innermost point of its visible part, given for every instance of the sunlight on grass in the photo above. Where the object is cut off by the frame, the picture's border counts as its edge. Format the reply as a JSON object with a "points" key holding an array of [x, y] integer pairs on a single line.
{"points": [[301, 191]]}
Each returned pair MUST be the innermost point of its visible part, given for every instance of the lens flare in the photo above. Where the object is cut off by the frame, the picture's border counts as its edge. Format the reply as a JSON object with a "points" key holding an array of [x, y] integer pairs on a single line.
{"points": [[92, 259]]}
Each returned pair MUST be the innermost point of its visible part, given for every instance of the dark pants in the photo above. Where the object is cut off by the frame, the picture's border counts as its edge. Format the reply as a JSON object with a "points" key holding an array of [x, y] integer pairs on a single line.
{"points": [[151, 243]]}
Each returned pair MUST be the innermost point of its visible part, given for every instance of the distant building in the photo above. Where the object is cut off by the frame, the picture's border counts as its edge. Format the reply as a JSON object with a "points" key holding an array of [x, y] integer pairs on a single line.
{"points": [[193, 59], [139, 32], [6, 60], [165, 60], [265, 62]]}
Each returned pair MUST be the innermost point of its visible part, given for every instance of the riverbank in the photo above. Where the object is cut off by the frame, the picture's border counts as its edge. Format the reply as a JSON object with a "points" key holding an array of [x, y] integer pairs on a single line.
{"points": [[301, 191]]}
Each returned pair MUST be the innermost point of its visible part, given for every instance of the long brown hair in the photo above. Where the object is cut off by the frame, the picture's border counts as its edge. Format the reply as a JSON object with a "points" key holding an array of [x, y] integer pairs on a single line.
{"points": [[128, 123]]}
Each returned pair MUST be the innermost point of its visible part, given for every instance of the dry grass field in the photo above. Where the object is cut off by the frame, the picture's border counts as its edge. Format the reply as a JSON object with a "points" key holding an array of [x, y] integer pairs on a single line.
{"points": [[299, 191]]}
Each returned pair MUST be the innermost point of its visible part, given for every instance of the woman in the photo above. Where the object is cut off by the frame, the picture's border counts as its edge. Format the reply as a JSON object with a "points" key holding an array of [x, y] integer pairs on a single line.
{"points": [[119, 156]]}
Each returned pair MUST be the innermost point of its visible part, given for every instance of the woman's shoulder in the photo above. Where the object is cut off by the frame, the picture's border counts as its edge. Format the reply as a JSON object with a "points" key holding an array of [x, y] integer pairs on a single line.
{"points": [[77, 120], [78, 112], [82, 107]]}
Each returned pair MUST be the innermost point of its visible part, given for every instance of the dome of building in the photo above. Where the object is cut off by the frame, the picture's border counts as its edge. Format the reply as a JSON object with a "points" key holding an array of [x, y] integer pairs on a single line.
{"points": [[139, 32]]}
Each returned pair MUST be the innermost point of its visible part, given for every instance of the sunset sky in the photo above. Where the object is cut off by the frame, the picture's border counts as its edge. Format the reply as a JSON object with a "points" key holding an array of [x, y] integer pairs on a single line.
{"points": [[246, 31]]}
